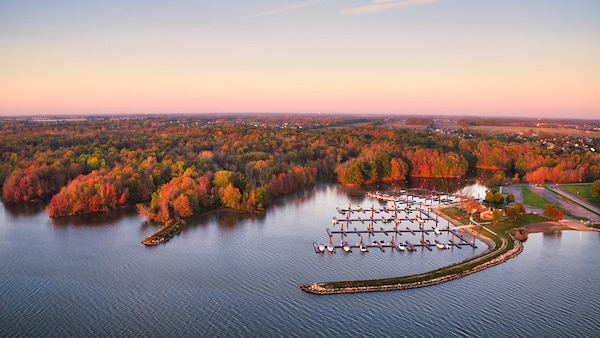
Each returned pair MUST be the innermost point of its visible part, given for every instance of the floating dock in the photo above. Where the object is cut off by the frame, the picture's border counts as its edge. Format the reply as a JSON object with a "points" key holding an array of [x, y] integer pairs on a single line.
{"points": [[412, 208]]}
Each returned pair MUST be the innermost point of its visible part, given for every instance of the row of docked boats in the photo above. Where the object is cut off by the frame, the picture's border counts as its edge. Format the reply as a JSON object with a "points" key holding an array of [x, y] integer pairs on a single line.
{"points": [[321, 248]]}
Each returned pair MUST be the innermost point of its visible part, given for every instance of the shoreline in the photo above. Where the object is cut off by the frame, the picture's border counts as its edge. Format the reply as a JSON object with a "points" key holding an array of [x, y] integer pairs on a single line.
{"points": [[485, 260]]}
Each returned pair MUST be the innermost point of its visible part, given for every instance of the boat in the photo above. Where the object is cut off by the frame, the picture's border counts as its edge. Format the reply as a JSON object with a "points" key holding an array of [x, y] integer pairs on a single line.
{"points": [[345, 246], [330, 246], [439, 245], [321, 247], [437, 231], [362, 247], [401, 247]]}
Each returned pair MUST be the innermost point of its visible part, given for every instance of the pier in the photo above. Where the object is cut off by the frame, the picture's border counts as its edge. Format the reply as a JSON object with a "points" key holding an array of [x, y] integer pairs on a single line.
{"points": [[411, 208]]}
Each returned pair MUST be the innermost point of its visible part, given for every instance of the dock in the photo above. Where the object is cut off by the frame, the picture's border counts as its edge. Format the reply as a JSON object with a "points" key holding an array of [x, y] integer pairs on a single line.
{"points": [[411, 208]]}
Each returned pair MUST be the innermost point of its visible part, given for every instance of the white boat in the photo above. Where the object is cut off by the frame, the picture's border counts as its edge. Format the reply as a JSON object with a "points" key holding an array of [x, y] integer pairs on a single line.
{"points": [[401, 247], [437, 231], [439, 245], [363, 248], [321, 247], [330, 247], [345, 246]]}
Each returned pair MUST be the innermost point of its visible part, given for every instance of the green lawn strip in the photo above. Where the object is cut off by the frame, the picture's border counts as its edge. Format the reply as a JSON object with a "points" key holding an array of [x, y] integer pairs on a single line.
{"points": [[457, 214], [532, 199], [583, 191], [524, 220], [567, 199]]}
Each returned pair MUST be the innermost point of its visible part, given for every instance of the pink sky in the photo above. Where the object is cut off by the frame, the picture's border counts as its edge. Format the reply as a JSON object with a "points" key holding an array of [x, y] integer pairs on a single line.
{"points": [[539, 58]]}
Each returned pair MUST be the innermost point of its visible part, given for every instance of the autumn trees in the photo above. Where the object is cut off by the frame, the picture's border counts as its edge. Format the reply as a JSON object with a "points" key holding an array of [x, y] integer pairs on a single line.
{"points": [[181, 197], [181, 166], [553, 212]]}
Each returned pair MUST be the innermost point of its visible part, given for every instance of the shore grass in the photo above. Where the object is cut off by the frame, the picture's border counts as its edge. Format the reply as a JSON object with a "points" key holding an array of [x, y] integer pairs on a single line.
{"points": [[583, 191], [533, 199], [457, 214]]}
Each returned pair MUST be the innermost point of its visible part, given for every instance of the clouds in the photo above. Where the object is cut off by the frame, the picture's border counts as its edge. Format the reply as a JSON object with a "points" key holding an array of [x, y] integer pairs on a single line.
{"points": [[381, 5], [288, 8]]}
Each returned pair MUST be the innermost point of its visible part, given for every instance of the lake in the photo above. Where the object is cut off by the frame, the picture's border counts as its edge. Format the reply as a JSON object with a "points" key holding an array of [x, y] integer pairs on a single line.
{"points": [[230, 274]]}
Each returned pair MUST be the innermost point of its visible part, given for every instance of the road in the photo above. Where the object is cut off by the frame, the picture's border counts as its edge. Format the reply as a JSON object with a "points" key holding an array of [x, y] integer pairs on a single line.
{"points": [[571, 204]]}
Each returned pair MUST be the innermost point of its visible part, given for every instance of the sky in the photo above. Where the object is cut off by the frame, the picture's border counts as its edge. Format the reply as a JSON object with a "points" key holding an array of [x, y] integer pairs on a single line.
{"points": [[537, 58]]}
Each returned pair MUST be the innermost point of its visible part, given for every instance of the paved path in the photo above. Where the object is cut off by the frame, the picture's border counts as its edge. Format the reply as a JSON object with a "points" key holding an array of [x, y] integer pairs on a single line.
{"points": [[576, 199], [573, 205]]}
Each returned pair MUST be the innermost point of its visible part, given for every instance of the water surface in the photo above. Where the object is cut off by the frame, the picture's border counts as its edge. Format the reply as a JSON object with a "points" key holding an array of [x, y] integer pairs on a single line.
{"points": [[230, 274]]}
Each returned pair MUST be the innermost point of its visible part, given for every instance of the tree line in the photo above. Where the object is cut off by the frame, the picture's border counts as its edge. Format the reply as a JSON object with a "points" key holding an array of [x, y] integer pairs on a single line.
{"points": [[182, 166]]}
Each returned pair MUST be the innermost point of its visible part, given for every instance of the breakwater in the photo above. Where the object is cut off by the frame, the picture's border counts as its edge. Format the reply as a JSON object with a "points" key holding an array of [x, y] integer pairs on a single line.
{"points": [[478, 263], [165, 233]]}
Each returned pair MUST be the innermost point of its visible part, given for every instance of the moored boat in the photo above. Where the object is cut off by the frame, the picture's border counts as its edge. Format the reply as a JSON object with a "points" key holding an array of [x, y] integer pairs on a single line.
{"points": [[345, 246]]}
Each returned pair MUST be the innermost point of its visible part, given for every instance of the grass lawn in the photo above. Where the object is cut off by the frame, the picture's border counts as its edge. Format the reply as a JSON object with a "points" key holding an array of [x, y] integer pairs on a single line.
{"points": [[457, 214], [583, 191], [533, 199]]}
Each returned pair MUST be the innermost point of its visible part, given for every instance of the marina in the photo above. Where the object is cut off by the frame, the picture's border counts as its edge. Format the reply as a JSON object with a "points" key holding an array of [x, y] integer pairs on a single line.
{"points": [[409, 215]]}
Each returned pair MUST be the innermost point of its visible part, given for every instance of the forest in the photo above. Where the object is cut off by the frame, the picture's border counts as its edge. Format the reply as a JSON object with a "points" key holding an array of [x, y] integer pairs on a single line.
{"points": [[180, 166]]}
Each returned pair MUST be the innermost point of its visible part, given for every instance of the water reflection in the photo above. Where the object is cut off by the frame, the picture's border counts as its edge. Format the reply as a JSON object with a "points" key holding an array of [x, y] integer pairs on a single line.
{"points": [[554, 233], [94, 219], [24, 209]]}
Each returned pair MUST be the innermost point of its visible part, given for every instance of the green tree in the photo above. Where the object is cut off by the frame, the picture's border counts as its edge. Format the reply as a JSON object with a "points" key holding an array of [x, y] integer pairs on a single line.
{"points": [[354, 174], [494, 197], [512, 213], [595, 189], [520, 208], [496, 215]]}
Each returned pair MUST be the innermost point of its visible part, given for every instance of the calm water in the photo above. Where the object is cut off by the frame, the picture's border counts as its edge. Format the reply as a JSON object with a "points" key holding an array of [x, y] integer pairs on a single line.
{"points": [[233, 275]]}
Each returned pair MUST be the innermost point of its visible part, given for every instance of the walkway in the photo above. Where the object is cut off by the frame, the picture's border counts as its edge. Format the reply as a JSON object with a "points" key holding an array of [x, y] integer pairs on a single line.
{"points": [[575, 199]]}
